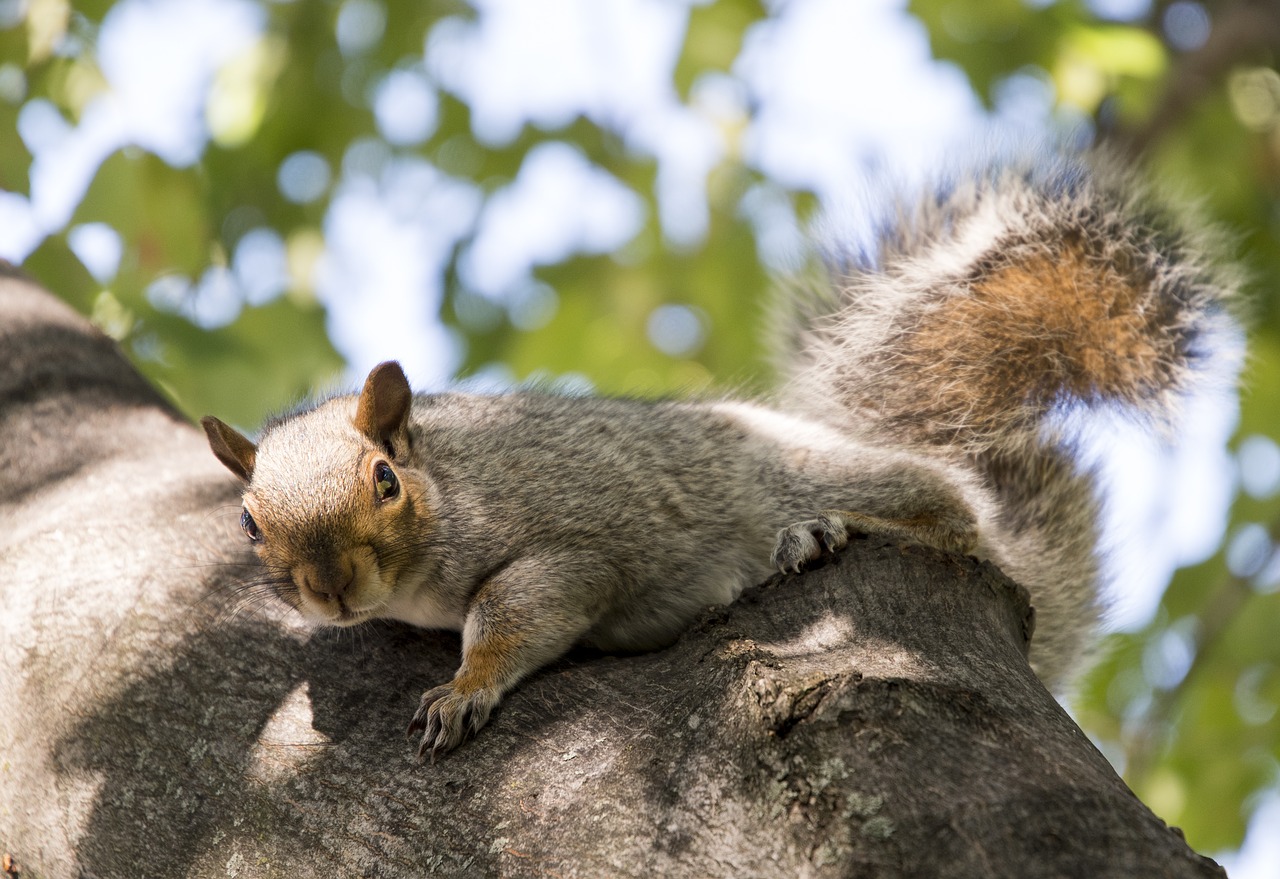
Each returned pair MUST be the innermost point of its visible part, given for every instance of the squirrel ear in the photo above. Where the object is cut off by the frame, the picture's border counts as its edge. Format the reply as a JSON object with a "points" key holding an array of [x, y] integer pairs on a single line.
{"points": [[383, 411], [230, 447]]}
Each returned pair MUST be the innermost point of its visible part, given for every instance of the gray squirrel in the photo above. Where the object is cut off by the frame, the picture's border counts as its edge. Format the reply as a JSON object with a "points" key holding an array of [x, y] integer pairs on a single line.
{"points": [[930, 396]]}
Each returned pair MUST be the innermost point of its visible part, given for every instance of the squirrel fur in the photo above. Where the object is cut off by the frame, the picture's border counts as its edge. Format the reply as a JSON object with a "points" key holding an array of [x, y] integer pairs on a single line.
{"points": [[931, 395]]}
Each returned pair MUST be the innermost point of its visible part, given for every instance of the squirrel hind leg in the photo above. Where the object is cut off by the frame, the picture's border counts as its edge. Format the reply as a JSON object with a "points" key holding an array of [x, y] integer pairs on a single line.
{"points": [[803, 542]]}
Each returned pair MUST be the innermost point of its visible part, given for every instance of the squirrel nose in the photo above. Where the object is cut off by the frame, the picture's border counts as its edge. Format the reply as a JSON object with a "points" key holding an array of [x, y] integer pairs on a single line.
{"points": [[326, 581]]}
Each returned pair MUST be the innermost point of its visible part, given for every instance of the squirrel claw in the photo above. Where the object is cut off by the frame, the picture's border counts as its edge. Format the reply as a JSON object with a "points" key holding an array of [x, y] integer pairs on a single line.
{"points": [[807, 541], [446, 718]]}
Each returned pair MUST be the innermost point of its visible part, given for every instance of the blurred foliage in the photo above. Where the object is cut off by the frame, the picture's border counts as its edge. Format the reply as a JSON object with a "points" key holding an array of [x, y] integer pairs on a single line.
{"points": [[1199, 742]]}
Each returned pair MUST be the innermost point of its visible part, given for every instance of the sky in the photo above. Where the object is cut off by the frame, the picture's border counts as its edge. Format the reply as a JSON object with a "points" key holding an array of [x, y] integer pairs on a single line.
{"points": [[393, 219]]}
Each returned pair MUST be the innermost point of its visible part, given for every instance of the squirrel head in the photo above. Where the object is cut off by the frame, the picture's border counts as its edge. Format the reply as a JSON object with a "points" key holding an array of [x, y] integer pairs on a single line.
{"points": [[330, 503]]}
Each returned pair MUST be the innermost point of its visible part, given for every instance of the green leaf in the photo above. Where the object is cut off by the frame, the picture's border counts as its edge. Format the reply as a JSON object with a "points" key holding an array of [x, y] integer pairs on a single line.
{"points": [[55, 266], [265, 361], [713, 39], [989, 39], [160, 211], [1093, 60]]}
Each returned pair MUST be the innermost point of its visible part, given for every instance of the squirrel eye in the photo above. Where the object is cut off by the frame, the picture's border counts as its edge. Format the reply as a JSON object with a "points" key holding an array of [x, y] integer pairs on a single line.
{"points": [[385, 482], [249, 526]]}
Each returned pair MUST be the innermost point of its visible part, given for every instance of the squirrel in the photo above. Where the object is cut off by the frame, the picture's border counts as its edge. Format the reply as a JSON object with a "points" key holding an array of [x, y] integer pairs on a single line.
{"points": [[932, 394]]}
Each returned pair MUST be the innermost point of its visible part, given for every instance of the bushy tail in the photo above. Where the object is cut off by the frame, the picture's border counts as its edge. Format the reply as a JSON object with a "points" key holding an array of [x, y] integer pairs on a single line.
{"points": [[1013, 294], [988, 317]]}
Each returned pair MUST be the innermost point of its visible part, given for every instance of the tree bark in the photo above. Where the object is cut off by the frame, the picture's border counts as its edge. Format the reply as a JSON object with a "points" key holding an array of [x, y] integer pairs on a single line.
{"points": [[874, 717]]}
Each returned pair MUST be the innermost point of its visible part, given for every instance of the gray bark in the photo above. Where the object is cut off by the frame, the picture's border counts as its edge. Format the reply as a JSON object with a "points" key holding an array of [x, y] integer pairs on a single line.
{"points": [[874, 717]]}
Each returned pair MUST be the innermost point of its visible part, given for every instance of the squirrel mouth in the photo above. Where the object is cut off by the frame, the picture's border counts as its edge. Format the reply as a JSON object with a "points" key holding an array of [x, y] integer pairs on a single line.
{"points": [[346, 614]]}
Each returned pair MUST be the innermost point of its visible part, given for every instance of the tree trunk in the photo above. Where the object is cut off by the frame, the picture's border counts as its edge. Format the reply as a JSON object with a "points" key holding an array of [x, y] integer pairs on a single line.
{"points": [[874, 717]]}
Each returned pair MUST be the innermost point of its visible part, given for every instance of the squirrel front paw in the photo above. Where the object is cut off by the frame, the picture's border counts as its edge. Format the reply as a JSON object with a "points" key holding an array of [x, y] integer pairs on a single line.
{"points": [[446, 717]]}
